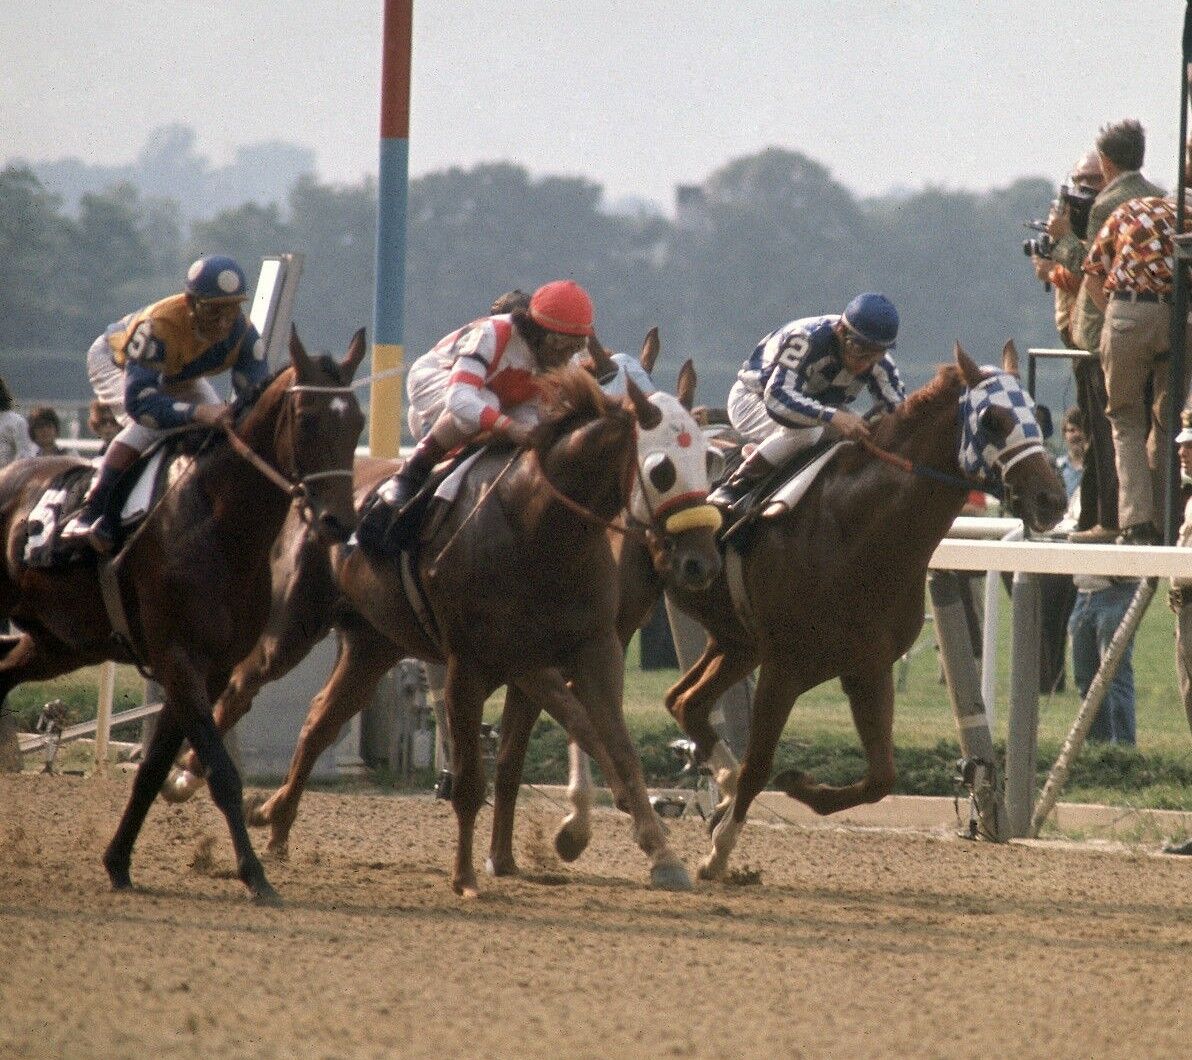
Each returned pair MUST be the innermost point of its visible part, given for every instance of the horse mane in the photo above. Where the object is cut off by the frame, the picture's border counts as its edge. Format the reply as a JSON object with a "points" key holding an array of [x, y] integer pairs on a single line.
{"points": [[571, 396], [946, 383]]}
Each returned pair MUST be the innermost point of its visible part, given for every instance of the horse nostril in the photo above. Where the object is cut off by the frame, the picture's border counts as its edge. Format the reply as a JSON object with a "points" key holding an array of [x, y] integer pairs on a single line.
{"points": [[695, 571]]}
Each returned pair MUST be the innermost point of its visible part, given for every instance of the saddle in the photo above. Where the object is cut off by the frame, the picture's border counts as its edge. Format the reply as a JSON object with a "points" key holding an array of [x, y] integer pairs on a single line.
{"points": [[137, 491], [782, 486]]}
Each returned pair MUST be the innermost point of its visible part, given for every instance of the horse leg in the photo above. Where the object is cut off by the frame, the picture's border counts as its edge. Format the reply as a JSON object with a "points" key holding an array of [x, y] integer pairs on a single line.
{"points": [[466, 692], [871, 699], [719, 669], [599, 671], [551, 693], [773, 698], [163, 746], [227, 793], [517, 722], [365, 657]]}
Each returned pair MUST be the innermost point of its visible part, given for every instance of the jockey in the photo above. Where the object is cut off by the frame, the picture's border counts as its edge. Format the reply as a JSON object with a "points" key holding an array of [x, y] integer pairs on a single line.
{"points": [[800, 378], [150, 368], [481, 377]]}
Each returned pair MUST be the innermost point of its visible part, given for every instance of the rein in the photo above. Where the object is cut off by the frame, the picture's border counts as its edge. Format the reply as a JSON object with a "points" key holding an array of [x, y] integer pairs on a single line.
{"points": [[625, 528], [925, 471], [291, 488]]}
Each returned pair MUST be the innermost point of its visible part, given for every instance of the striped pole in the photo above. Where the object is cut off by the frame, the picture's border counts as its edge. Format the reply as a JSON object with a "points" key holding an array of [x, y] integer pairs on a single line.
{"points": [[384, 416]]}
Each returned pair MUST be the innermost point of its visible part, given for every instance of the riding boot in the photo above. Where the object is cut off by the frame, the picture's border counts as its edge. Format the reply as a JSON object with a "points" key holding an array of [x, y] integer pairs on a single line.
{"points": [[94, 523], [377, 521], [751, 471]]}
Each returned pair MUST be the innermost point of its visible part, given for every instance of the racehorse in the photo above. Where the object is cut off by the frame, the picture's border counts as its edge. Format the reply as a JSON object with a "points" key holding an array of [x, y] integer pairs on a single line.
{"points": [[835, 586], [193, 578]]}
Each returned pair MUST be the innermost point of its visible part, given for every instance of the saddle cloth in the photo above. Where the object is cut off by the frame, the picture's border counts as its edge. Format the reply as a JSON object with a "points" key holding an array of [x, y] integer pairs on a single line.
{"points": [[63, 497]]}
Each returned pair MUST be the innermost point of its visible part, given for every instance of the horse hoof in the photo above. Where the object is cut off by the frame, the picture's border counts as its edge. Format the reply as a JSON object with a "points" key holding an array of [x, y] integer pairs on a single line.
{"points": [[709, 871], [467, 888], [279, 850], [501, 867], [571, 842], [264, 894], [670, 876], [118, 872]]}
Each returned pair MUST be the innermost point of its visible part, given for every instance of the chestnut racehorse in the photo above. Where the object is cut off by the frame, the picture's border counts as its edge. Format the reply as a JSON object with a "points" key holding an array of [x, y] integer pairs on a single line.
{"points": [[835, 586], [194, 577], [521, 583]]}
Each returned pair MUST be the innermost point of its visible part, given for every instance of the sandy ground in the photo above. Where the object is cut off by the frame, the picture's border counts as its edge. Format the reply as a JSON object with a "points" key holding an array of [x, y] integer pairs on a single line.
{"points": [[855, 942]]}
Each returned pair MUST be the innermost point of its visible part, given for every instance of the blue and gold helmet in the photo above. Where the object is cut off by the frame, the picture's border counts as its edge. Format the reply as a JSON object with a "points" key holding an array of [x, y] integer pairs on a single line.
{"points": [[216, 278]]}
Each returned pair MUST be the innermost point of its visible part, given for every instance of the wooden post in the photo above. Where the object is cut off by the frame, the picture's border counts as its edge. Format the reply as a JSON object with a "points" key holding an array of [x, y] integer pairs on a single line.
{"points": [[103, 716]]}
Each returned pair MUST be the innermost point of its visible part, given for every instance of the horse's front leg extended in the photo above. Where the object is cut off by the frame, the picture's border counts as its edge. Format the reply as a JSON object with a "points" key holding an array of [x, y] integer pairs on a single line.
{"points": [[517, 722], [598, 672], [466, 692], [871, 700], [365, 657], [776, 691]]}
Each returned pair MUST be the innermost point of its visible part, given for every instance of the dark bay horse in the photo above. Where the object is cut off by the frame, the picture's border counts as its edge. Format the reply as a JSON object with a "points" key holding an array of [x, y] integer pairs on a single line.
{"points": [[520, 582], [835, 586], [193, 577]]}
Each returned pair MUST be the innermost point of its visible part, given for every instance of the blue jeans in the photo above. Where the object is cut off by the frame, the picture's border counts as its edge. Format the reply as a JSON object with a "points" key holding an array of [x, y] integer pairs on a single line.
{"points": [[1095, 619]]}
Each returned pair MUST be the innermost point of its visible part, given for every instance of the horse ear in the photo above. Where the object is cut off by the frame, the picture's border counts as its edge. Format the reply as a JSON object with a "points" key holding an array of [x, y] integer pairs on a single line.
{"points": [[968, 367], [1010, 357], [601, 359], [298, 354], [650, 347], [356, 350], [648, 414], [686, 386]]}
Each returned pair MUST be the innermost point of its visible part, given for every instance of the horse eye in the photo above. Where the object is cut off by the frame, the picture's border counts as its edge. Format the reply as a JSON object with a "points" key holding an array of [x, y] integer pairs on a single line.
{"points": [[660, 470], [993, 422]]}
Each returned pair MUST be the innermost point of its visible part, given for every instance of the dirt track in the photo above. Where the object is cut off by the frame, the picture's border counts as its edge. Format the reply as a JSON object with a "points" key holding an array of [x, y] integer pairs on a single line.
{"points": [[855, 943]]}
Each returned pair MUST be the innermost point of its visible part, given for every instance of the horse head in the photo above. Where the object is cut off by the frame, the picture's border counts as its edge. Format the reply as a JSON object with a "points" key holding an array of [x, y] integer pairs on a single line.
{"points": [[316, 424], [671, 496], [1001, 438]]}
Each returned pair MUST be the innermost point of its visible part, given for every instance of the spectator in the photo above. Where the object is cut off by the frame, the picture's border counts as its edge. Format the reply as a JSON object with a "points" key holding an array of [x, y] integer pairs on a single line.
{"points": [[1100, 606], [101, 420], [14, 431], [1120, 149], [1128, 271], [45, 428], [1057, 592], [1181, 593]]}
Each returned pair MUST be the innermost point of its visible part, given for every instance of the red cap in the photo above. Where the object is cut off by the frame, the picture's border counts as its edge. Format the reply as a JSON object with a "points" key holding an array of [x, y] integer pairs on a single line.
{"points": [[562, 306]]}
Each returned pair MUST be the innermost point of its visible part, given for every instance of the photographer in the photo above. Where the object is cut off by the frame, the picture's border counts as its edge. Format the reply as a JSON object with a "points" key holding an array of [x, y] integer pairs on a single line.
{"points": [[1120, 151]]}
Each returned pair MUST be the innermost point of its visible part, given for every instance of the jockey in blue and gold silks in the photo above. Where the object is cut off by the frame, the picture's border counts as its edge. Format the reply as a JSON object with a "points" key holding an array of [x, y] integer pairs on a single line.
{"points": [[151, 368]]}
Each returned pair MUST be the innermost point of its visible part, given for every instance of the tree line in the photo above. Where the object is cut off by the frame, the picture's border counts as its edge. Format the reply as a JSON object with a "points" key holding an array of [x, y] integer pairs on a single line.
{"points": [[765, 238]]}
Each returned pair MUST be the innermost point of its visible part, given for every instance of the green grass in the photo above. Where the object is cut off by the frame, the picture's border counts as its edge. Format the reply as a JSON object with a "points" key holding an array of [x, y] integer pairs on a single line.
{"points": [[819, 735]]}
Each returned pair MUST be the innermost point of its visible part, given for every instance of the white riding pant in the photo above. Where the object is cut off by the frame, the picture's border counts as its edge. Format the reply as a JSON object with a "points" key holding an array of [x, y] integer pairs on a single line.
{"points": [[748, 414]]}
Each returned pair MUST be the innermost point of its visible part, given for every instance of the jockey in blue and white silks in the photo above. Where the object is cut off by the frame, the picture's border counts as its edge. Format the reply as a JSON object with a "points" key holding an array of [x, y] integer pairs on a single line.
{"points": [[803, 376]]}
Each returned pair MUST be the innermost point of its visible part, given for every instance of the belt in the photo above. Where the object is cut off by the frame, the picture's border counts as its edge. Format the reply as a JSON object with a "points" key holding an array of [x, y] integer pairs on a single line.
{"points": [[1140, 296]]}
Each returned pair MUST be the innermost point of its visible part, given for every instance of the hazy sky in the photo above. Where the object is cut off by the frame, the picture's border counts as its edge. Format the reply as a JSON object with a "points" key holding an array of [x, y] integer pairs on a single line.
{"points": [[639, 96]]}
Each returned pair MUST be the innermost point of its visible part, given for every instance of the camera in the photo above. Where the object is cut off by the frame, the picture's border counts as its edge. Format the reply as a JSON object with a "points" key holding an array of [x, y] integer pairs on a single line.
{"points": [[1078, 198], [1040, 247]]}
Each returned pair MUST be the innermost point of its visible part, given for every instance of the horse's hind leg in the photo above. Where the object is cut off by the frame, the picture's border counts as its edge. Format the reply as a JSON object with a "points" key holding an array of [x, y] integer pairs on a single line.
{"points": [[365, 657], [163, 746], [871, 699]]}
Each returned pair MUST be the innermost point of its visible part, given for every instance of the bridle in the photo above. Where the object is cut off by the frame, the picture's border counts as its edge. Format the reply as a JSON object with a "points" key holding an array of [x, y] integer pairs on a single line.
{"points": [[297, 487]]}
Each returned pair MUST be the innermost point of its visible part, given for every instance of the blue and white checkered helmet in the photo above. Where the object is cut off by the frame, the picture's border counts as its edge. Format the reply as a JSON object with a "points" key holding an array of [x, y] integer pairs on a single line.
{"points": [[980, 453], [216, 278]]}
